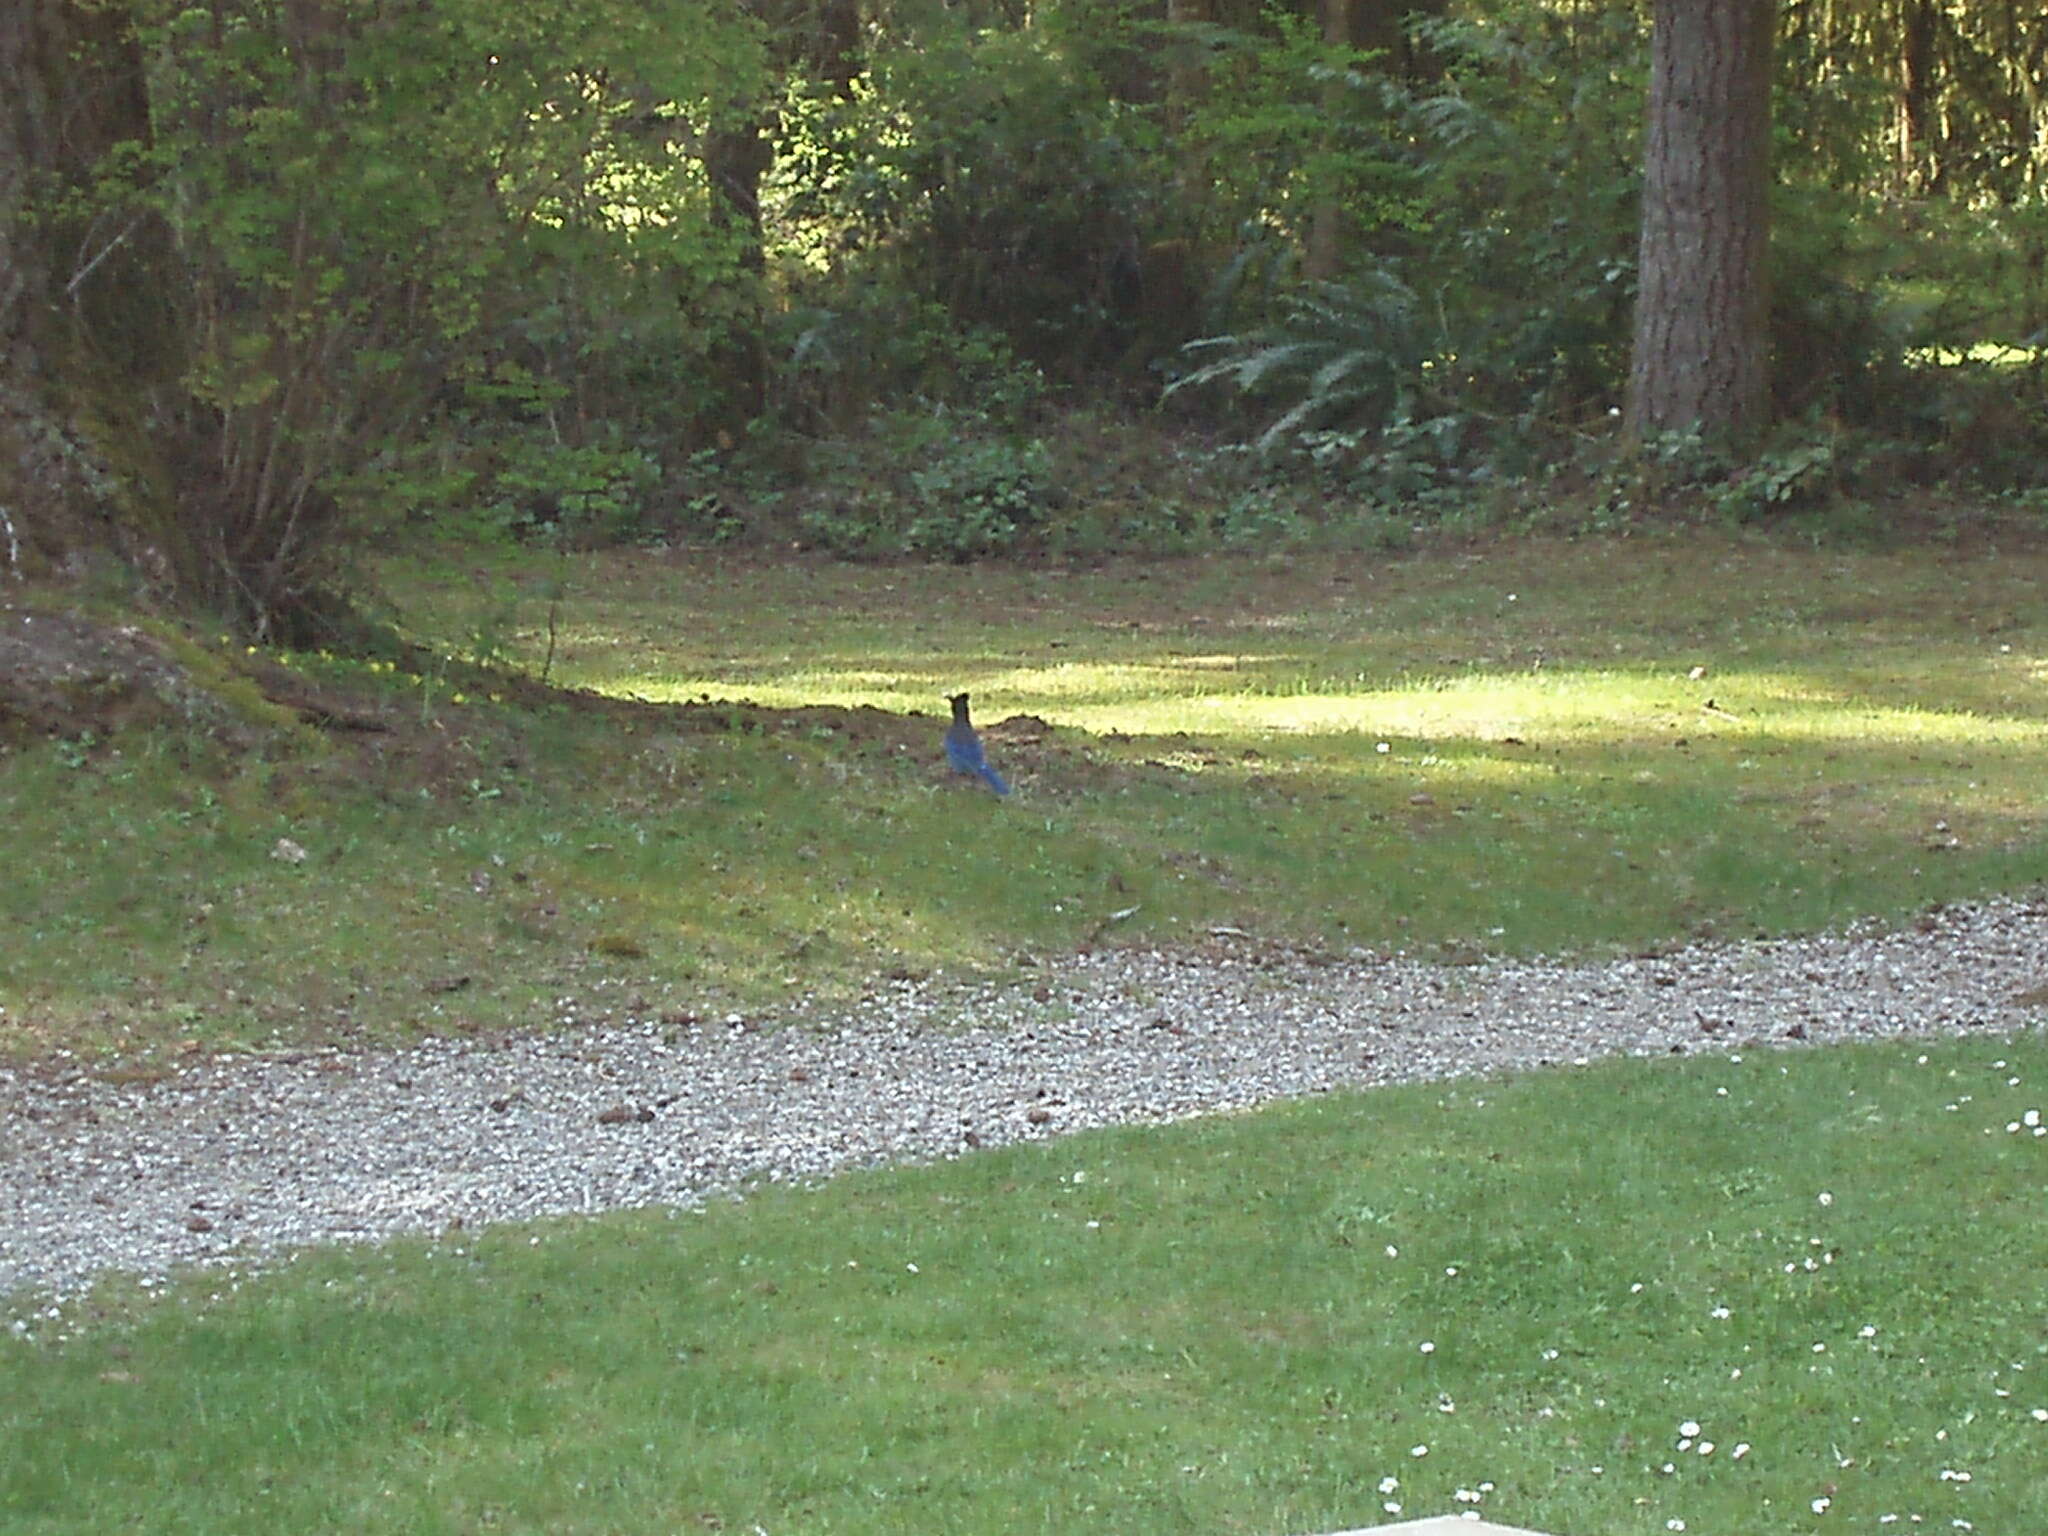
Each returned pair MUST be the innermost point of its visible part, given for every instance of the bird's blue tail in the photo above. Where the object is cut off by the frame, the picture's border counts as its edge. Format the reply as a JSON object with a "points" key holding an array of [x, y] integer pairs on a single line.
{"points": [[963, 747]]}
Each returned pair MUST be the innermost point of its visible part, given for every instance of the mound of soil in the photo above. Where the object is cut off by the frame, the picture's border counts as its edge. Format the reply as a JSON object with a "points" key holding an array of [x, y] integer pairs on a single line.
{"points": [[67, 676], [63, 675]]}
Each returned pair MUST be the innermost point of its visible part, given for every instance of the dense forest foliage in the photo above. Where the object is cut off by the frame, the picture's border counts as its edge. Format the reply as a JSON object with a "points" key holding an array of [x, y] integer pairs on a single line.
{"points": [[954, 280]]}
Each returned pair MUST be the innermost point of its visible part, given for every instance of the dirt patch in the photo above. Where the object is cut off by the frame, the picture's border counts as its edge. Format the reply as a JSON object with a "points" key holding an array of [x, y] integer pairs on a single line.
{"points": [[64, 676]]}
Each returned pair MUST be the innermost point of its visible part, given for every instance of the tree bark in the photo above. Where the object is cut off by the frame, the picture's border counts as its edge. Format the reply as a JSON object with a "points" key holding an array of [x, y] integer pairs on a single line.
{"points": [[24, 276], [1701, 358], [81, 323], [1323, 257], [1386, 28], [1918, 168]]}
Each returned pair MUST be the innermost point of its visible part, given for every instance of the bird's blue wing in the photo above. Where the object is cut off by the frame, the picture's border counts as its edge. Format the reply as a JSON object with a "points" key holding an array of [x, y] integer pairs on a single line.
{"points": [[963, 751]]}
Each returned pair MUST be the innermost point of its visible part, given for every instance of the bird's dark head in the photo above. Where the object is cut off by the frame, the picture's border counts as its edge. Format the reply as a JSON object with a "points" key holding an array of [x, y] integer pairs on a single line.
{"points": [[959, 703]]}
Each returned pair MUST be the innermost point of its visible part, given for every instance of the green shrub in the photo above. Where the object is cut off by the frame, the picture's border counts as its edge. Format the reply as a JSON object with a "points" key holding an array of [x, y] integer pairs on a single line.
{"points": [[594, 494], [982, 498]]}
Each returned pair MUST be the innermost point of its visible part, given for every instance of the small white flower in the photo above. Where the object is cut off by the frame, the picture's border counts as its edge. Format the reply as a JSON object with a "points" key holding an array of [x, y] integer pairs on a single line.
{"points": [[1720, 1312], [1706, 1447], [2041, 1415], [1820, 1506], [1674, 1525], [1867, 1331], [1418, 1450], [1392, 1506], [1393, 1252], [1636, 1289], [1689, 1428], [1826, 1198], [1389, 1484], [1427, 1346], [1741, 1450]]}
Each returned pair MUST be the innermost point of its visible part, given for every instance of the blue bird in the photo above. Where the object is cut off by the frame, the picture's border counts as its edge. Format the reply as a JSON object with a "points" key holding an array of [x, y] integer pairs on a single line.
{"points": [[963, 747]]}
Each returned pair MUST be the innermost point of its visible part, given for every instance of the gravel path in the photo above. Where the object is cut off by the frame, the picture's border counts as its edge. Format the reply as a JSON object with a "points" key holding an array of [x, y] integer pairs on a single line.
{"points": [[233, 1158]]}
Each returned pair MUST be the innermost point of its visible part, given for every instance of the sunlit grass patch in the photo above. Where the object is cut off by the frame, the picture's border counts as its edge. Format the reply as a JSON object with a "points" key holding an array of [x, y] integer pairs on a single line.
{"points": [[1597, 1301], [1542, 746]]}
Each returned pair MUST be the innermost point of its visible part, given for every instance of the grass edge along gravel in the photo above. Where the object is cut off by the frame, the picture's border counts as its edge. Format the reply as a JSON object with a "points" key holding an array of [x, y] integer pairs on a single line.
{"points": [[1795, 1291], [1691, 735]]}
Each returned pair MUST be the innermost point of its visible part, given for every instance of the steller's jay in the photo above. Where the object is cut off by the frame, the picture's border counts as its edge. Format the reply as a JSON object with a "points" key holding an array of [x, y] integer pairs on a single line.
{"points": [[963, 747]]}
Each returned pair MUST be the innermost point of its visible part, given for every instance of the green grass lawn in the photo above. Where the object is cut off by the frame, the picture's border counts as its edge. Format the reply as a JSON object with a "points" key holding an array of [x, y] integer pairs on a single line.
{"points": [[1801, 1292], [1798, 1292], [1422, 753]]}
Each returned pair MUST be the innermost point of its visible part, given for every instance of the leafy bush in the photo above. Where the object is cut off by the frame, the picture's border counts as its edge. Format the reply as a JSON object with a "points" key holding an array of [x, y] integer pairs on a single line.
{"points": [[1492, 313], [593, 494], [989, 173], [971, 497], [1798, 475], [876, 345], [981, 499], [367, 211]]}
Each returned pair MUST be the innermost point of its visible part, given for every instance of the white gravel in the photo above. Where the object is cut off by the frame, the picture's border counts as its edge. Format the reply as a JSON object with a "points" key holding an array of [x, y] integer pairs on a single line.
{"points": [[233, 1159]]}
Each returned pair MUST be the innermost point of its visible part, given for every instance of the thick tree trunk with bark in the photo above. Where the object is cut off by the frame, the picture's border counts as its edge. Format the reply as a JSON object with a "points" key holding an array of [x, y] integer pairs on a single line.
{"points": [[1324, 255], [79, 313], [735, 159], [1701, 355], [24, 277]]}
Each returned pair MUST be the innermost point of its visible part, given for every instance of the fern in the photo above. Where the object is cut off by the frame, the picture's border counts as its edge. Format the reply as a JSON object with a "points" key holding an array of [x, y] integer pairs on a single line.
{"points": [[1339, 355]]}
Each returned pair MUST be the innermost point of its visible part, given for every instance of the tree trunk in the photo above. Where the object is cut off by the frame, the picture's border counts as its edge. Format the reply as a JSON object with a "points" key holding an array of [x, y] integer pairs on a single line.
{"points": [[83, 324], [736, 157], [1386, 28], [1186, 69], [1701, 357], [834, 50], [1324, 256], [24, 275], [1918, 168]]}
